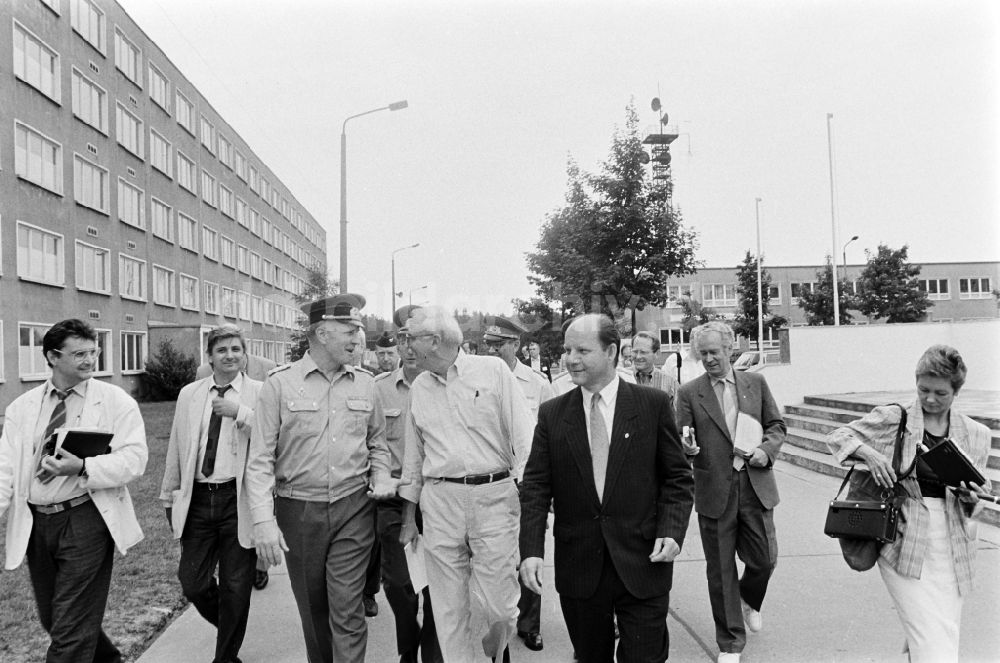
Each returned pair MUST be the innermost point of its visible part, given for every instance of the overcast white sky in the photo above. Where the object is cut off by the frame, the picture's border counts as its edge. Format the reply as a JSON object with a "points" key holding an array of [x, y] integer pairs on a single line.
{"points": [[502, 93]]}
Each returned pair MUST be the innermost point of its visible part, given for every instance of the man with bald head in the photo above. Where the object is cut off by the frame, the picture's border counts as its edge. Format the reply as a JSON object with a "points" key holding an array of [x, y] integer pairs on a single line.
{"points": [[467, 436], [607, 457]]}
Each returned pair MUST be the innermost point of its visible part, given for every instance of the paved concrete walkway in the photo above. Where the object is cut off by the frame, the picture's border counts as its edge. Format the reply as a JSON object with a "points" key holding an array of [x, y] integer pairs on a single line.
{"points": [[817, 610]]}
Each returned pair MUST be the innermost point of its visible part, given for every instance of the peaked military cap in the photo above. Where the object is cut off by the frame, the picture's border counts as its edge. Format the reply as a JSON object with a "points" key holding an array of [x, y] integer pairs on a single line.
{"points": [[345, 307], [385, 341], [503, 329], [403, 314]]}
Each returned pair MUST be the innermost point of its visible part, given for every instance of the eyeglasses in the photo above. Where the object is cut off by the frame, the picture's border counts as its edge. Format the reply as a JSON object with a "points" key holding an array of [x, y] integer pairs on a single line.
{"points": [[406, 339], [82, 355]]}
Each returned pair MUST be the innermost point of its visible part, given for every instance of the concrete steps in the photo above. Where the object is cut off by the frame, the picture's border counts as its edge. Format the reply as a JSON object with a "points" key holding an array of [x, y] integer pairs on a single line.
{"points": [[810, 423]]}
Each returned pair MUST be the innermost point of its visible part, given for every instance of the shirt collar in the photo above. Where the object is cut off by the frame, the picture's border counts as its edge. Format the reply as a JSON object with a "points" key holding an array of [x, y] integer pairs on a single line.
{"points": [[309, 365], [728, 377], [399, 376], [236, 384], [609, 394], [80, 388]]}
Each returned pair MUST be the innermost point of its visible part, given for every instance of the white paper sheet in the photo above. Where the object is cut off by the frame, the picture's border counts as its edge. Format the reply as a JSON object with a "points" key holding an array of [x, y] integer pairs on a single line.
{"points": [[414, 552], [749, 434]]}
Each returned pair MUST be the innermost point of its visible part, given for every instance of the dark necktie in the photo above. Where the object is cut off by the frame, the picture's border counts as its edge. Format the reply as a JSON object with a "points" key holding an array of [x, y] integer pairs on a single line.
{"points": [[214, 428], [57, 420], [643, 378]]}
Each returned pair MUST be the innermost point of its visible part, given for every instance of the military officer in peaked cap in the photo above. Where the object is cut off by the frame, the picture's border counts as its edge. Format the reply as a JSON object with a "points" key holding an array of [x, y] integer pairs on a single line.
{"points": [[502, 339], [319, 443]]}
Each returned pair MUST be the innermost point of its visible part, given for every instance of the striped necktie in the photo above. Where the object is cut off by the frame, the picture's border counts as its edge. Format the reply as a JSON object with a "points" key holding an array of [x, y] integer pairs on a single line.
{"points": [[600, 443], [48, 445]]}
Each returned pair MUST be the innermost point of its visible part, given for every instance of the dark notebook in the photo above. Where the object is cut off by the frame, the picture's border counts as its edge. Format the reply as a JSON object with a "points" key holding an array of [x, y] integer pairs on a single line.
{"points": [[84, 443], [951, 465]]}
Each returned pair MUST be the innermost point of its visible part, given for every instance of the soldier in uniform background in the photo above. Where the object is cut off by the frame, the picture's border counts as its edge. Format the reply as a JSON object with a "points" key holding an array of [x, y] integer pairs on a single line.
{"points": [[319, 442], [387, 353], [502, 339]]}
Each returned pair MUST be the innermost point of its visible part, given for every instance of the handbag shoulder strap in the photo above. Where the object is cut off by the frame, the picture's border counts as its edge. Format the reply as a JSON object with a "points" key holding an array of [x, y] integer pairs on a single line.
{"points": [[897, 451]]}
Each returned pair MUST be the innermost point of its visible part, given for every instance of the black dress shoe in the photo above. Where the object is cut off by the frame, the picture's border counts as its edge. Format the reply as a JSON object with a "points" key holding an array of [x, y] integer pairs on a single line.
{"points": [[371, 607], [532, 641], [260, 580], [506, 655]]}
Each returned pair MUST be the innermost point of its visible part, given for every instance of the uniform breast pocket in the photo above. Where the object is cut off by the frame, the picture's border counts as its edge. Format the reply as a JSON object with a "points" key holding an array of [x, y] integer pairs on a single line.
{"points": [[299, 414], [358, 411], [393, 423]]}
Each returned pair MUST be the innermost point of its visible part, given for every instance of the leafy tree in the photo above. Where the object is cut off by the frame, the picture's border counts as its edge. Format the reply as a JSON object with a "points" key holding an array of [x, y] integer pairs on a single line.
{"points": [[318, 284], [544, 324], [694, 312], [818, 303], [889, 288], [745, 323], [616, 240], [168, 371]]}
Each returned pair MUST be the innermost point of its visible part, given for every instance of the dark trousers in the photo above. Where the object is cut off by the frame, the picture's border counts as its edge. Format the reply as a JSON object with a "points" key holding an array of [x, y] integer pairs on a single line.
{"points": [[329, 545], [529, 610], [410, 634], [746, 529], [642, 623], [70, 557], [210, 539], [373, 574]]}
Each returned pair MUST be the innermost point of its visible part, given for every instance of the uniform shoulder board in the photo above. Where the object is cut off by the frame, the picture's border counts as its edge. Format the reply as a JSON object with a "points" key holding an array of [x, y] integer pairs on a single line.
{"points": [[362, 369], [540, 374], [278, 369], [383, 376]]}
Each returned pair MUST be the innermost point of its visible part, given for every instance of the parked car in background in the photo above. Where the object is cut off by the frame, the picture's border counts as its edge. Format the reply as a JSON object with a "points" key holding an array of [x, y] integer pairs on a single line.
{"points": [[751, 359]]}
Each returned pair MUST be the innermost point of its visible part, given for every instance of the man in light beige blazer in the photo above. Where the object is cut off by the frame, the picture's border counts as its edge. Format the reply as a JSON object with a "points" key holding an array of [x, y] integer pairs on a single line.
{"points": [[203, 494]]}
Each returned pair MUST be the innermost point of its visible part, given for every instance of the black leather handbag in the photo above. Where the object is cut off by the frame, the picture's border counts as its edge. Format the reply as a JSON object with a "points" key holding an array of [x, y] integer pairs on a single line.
{"points": [[869, 515]]}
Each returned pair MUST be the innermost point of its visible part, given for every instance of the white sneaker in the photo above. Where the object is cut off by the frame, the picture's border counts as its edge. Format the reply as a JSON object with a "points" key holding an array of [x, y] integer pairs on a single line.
{"points": [[752, 618], [728, 657]]}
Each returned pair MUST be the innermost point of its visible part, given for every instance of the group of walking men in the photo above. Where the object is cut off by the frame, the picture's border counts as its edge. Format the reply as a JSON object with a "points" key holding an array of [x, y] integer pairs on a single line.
{"points": [[458, 454]]}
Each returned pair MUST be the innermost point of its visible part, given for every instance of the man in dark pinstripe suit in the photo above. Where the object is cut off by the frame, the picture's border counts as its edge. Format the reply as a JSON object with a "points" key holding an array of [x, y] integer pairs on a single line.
{"points": [[607, 456]]}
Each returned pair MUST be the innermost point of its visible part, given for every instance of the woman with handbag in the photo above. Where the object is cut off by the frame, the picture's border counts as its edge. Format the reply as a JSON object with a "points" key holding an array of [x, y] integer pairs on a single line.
{"points": [[928, 569]]}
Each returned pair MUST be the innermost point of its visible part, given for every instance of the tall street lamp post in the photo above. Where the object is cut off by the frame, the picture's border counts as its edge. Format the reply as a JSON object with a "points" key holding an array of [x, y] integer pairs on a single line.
{"points": [[833, 222], [423, 287], [392, 299], [760, 293], [396, 105], [844, 255]]}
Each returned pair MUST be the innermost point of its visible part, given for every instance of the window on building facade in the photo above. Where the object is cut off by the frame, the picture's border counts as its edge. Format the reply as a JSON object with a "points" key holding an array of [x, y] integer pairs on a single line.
{"points": [[256, 309], [225, 151], [131, 208], [265, 189], [719, 294], [40, 255], [268, 271], [936, 289], [254, 179], [90, 102], [133, 356], [227, 251], [226, 201], [242, 212], [128, 58], [241, 165], [102, 364], [31, 361], [209, 243], [90, 184], [159, 152], [185, 111], [211, 298], [243, 259], [159, 88], [974, 288], [163, 286], [243, 305], [36, 63], [186, 172], [129, 131], [774, 294], [255, 265], [799, 288], [189, 292], [54, 6], [673, 339], [131, 277], [187, 232], [87, 20], [228, 302], [209, 193], [37, 158], [162, 221], [255, 222], [208, 134], [93, 268]]}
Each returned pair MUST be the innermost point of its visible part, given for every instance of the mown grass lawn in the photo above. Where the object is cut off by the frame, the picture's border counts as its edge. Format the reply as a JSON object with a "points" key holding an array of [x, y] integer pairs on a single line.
{"points": [[145, 593]]}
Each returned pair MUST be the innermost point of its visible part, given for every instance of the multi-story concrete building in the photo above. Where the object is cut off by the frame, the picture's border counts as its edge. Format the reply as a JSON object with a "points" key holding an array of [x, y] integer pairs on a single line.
{"points": [[126, 200], [958, 290]]}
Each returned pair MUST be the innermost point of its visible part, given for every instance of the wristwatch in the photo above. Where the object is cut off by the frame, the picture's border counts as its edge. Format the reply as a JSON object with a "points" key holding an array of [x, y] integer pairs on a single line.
{"points": [[83, 470]]}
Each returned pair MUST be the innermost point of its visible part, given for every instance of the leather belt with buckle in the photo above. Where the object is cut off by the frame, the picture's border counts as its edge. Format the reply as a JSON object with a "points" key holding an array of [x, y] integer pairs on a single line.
{"points": [[59, 507], [215, 487], [478, 479]]}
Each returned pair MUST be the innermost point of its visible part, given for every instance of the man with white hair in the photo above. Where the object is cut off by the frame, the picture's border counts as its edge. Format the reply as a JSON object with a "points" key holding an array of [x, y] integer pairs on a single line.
{"points": [[468, 433], [735, 491]]}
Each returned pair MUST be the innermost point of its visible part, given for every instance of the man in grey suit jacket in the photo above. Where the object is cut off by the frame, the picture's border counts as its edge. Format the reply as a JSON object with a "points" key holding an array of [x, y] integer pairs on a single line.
{"points": [[734, 493], [203, 492]]}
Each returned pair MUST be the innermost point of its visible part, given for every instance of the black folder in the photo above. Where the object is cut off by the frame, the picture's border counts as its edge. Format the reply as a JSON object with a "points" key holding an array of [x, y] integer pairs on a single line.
{"points": [[84, 443], [951, 465]]}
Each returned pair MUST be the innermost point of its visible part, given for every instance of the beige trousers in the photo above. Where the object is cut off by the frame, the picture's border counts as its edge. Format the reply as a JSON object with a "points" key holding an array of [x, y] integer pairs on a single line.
{"points": [[470, 537]]}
